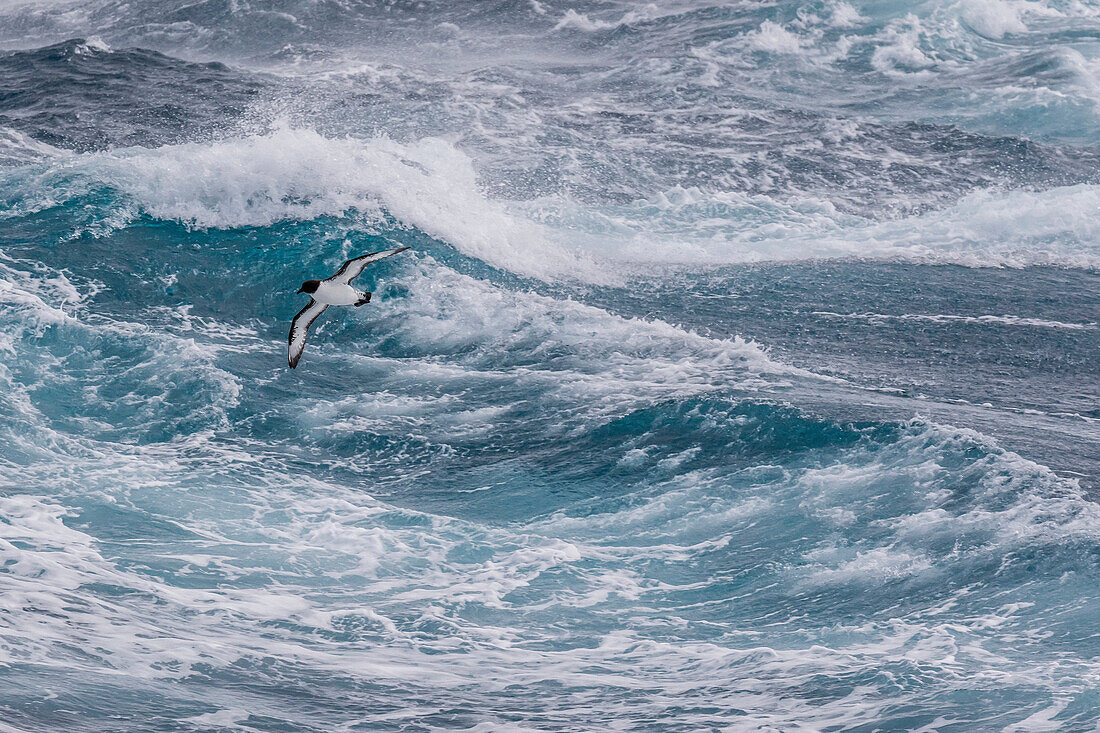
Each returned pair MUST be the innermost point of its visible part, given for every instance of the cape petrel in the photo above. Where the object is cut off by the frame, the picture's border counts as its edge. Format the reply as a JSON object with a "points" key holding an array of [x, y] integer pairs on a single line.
{"points": [[335, 290]]}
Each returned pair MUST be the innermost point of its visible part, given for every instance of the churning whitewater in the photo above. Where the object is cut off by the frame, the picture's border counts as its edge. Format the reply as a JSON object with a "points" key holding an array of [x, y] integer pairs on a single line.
{"points": [[742, 373]]}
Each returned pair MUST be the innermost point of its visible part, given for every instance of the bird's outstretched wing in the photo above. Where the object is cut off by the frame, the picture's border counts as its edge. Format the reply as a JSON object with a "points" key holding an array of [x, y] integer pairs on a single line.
{"points": [[353, 267], [299, 327]]}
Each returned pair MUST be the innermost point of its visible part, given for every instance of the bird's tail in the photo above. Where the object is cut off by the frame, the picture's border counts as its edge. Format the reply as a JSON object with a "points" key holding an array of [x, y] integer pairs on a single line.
{"points": [[364, 298]]}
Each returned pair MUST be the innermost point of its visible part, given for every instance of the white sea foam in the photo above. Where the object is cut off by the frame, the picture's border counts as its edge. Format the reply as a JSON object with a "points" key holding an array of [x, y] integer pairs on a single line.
{"points": [[17, 148], [450, 312], [363, 591], [589, 364], [36, 300], [298, 174], [639, 13], [993, 18], [844, 15], [1003, 504], [1009, 503], [900, 52], [1004, 320], [581, 22], [293, 174], [878, 565], [1059, 226], [93, 44], [774, 38]]}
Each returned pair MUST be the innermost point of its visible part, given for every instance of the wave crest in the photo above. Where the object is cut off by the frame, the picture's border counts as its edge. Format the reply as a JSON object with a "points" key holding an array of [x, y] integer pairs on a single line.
{"points": [[298, 174]]}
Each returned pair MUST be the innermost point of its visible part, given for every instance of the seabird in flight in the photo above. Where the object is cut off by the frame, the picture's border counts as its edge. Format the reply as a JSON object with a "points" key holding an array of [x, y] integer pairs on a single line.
{"points": [[336, 290]]}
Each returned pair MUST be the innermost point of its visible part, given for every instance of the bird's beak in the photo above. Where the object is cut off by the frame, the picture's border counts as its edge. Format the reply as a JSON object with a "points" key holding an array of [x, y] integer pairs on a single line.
{"points": [[301, 290]]}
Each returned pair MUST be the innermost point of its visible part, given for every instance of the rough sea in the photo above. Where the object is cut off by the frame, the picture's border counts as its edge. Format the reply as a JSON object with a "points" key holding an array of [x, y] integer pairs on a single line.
{"points": [[744, 373]]}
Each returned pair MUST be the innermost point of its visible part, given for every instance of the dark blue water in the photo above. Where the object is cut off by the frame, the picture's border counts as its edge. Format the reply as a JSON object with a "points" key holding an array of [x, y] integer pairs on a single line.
{"points": [[743, 374]]}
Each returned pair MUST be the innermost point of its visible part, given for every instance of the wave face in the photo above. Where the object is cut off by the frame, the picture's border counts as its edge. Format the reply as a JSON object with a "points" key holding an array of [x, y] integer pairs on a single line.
{"points": [[742, 374]]}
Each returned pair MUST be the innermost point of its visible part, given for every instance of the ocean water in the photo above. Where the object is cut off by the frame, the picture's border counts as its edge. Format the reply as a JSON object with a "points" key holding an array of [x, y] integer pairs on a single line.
{"points": [[744, 373]]}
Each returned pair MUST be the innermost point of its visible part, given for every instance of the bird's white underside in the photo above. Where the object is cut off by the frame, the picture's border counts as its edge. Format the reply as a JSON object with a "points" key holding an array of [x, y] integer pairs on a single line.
{"points": [[331, 293]]}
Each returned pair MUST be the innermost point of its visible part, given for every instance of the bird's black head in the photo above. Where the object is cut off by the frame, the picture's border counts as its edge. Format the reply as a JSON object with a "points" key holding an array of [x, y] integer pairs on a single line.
{"points": [[309, 286]]}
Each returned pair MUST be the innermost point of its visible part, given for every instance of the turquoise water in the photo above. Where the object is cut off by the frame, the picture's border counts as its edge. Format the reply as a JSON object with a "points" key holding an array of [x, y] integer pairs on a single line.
{"points": [[742, 374]]}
